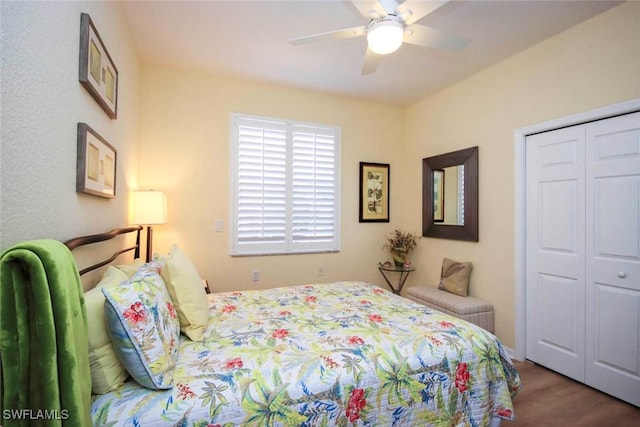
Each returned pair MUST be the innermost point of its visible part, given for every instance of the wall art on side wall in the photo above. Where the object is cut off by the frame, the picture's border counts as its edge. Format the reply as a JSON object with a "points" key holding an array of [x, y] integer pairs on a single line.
{"points": [[96, 164], [374, 192], [98, 73]]}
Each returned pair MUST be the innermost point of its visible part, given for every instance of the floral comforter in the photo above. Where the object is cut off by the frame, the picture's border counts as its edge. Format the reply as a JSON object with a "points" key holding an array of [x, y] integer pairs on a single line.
{"points": [[346, 353]]}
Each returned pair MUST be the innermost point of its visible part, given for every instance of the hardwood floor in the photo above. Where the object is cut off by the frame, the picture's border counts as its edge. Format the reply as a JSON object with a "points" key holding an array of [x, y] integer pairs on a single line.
{"points": [[550, 399]]}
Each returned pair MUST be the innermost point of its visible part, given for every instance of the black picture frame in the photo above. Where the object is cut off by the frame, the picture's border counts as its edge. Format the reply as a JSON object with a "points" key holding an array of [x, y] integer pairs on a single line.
{"points": [[98, 72], [374, 192], [96, 164]]}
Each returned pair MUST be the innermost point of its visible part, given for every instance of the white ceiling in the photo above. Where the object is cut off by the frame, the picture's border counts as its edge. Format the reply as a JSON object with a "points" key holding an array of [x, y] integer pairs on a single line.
{"points": [[250, 39]]}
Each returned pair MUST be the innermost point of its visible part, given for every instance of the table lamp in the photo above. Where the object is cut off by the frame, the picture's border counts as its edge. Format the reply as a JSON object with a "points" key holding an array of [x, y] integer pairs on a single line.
{"points": [[148, 208]]}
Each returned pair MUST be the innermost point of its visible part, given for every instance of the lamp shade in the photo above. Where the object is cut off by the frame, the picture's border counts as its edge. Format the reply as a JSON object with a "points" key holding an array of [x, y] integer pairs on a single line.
{"points": [[148, 207], [385, 36]]}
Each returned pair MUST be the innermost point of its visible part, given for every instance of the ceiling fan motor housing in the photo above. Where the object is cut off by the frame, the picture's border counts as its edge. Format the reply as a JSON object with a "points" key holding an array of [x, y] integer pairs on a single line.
{"points": [[384, 35]]}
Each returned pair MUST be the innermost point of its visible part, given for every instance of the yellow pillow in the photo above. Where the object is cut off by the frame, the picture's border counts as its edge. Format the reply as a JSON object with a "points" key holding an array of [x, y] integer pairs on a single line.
{"points": [[187, 293], [454, 277], [107, 373]]}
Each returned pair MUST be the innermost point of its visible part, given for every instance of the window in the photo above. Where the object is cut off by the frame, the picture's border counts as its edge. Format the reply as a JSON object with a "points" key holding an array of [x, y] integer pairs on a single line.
{"points": [[285, 186]]}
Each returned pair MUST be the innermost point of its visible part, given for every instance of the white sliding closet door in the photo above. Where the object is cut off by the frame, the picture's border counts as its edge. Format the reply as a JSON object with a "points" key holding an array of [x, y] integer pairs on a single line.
{"points": [[613, 256], [556, 251], [583, 253]]}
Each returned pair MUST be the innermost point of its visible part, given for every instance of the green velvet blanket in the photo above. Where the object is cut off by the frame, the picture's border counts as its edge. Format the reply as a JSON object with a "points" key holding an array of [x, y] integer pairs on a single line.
{"points": [[44, 346]]}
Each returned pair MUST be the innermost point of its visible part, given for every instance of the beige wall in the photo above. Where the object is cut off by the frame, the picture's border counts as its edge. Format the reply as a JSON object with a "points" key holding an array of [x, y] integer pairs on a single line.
{"points": [[184, 135], [589, 66], [185, 125], [41, 105]]}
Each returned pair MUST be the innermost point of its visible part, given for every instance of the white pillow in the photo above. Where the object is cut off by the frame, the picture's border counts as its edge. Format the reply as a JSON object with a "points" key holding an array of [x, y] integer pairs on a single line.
{"points": [[130, 269], [107, 373]]}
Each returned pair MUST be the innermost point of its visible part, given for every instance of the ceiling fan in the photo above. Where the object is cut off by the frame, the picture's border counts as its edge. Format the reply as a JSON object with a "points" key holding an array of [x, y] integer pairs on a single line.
{"points": [[391, 23]]}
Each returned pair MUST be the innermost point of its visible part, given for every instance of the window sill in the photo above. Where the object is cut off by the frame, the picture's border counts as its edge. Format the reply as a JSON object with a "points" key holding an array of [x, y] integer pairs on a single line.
{"points": [[318, 251]]}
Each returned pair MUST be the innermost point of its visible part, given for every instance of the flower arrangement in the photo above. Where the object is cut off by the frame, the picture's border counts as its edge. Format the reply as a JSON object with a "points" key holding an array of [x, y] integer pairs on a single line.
{"points": [[400, 244]]}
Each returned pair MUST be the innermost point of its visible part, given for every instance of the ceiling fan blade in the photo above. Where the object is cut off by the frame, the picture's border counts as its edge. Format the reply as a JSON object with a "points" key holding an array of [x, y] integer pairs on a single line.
{"points": [[369, 8], [389, 6], [371, 61], [331, 35], [413, 10], [430, 37]]}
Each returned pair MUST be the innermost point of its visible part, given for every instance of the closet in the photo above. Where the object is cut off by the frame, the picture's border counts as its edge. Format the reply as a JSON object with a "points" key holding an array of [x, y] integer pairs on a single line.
{"points": [[583, 253]]}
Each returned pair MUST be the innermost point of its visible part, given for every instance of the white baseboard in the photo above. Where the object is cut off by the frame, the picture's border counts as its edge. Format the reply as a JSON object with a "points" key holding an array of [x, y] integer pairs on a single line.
{"points": [[511, 353]]}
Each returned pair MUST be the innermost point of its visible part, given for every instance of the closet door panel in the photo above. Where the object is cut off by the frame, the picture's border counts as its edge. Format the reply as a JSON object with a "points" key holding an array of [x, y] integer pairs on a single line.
{"points": [[613, 256], [617, 311], [616, 231], [555, 251]]}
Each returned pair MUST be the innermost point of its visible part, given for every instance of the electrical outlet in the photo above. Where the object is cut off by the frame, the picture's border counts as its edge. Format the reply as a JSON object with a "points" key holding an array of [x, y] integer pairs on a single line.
{"points": [[255, 276], [320, 271], [218, 225]]}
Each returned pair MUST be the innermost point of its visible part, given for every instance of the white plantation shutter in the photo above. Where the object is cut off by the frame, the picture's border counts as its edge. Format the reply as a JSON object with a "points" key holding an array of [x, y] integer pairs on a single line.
{"points": [[284, 186], [261, 183], [314, 186]]}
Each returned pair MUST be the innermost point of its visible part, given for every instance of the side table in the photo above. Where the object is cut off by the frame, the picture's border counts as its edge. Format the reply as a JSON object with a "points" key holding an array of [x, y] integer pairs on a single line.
{"points": [[404, 273]]}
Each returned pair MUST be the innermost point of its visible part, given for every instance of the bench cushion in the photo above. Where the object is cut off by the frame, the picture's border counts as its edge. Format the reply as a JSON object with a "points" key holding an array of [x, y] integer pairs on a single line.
{"points": [[472, 309]]}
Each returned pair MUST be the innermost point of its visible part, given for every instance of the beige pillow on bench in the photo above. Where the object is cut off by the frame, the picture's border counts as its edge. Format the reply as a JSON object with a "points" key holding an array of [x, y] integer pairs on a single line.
{"points": [[454, 277]]}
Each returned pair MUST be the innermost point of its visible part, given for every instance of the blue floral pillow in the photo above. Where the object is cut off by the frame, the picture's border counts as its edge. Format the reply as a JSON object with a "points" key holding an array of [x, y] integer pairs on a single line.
{"points": [[143, 327]]}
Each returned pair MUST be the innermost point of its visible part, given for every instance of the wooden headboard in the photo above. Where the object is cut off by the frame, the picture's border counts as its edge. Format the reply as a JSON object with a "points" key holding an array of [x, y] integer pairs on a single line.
{"points": [[94, 238]]}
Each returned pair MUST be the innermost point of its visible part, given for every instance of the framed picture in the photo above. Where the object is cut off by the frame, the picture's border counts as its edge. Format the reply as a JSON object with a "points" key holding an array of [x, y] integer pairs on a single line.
{"points": [[98, 73], [96, 164], [374, 192], [438, 195]]}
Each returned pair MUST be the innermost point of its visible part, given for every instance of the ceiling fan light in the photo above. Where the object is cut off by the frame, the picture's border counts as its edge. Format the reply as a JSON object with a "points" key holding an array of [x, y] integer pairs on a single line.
{"points": [[385, 36]]}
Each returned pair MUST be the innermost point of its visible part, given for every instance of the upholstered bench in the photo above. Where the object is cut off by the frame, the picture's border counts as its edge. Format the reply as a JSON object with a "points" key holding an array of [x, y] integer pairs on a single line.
{"points": [[472, 309]]}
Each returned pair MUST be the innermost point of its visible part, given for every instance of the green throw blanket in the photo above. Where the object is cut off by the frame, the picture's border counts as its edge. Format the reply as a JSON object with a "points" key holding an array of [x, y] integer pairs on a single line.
{"points": [[44, 346]]}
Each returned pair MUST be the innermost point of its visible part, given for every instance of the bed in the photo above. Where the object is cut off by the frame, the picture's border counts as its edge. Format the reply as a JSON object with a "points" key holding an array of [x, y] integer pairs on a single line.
{"points": [[344, 353]]}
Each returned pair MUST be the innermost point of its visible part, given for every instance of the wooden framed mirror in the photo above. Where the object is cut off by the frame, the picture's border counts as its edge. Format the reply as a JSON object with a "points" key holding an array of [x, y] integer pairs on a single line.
{"points": [[450, 195]]}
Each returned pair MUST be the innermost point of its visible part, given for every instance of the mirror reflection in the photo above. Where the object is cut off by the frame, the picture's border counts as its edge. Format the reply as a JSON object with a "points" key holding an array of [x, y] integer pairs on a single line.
{"points": [[448, 196]]}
